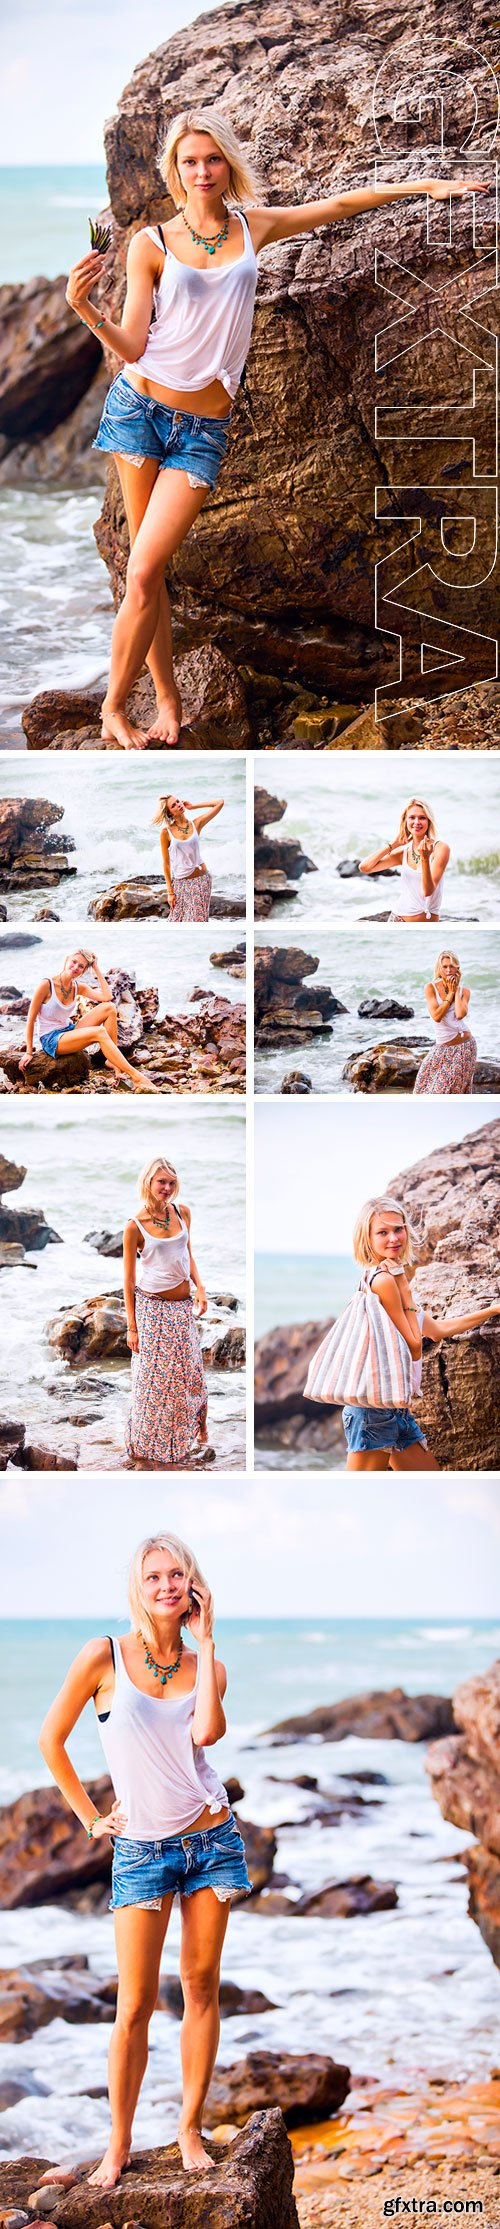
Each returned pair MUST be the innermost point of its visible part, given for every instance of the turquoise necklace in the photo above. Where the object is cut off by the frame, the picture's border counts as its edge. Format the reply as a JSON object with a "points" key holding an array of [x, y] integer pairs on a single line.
{"points": [[163, 1672], [199, 239]]}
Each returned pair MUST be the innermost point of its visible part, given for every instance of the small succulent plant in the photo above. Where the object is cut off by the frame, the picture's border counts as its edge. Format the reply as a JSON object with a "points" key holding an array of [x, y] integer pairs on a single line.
{"points": [[100, 237]]}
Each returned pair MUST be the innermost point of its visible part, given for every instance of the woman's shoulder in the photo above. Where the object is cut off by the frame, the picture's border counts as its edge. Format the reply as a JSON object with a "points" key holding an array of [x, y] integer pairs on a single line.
{"points": [[183, 1209]]}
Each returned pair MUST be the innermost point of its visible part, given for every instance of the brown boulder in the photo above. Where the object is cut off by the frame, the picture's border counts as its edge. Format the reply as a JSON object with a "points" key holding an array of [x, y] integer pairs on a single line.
{"points": [[228, 1352], [394, 1066], [29, 852], [288, 1010], [249, 2186], [52, 1989], [465, 1780], [25, 1226], [70, 1072], [64, 457], [468, 1792], [452, 1198], [44, 1855], [12, 1437], [213, 702], [352, 1899], [383, 1714], [92, 1331], [144, 898], [309, 2088], [48, 359], [282, 1416], [483, 1872], [234, 960], [278, 865]]}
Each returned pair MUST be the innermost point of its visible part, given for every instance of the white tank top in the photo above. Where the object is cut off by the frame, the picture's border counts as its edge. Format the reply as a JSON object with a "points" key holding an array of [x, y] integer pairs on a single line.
{"points": [[448, 1027], [160, 1777], [55, 1013], [411, 894], [184, 855], [203, 322], [162, 1262]]}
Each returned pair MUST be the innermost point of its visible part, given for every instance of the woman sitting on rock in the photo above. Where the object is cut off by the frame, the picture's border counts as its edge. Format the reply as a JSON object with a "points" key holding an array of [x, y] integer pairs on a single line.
{"points": [[159, 1704], [375, 1348], [168, 1416], [52, 1019], [188, 882], [184, 339], [451, 1066], [423, 860]]}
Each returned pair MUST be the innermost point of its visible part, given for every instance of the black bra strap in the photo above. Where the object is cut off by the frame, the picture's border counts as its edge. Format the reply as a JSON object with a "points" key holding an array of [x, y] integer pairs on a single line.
{"points": [[163, 242], [112, 1647]]}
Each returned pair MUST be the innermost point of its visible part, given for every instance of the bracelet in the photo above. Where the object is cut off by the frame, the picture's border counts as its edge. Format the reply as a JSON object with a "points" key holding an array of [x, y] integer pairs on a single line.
{"points": [[93, 328], [90, 1830]]}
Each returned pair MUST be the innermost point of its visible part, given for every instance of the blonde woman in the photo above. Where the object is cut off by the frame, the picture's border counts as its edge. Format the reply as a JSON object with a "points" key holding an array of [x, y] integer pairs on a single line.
{"points": [[54, 1023], [422, 859], [168, 1416], [159, 1705], [183, 339], [189, 884], [381, 1439], [451, 1067]]}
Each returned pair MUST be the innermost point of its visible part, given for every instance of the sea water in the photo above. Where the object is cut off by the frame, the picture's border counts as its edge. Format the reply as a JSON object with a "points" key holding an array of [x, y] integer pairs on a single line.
{"points": [[381, 963], [347, 806], [43, 217], [174, 961], [402, 1991], [108, 810], [56, 607]]}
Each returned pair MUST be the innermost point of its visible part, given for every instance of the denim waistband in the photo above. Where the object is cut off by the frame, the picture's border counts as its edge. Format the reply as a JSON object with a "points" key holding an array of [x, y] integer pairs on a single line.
{"points": [[166, 1845], [189, 419]]}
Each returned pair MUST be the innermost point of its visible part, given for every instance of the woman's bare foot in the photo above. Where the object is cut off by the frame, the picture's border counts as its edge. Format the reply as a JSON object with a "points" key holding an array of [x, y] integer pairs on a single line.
{"points": [[117, 729], [166, 727], [110, 2169], [193, 2154], [145, 1083]]}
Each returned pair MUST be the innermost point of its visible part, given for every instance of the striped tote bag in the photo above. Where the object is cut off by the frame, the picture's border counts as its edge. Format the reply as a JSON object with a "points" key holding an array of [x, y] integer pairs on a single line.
{"points": [[364, 1358]]}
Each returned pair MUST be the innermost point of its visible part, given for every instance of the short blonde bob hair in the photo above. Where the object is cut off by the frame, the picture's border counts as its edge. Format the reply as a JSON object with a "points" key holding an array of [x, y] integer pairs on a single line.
{"points": [[147, 1176], [362, 1248], [402, 836], [448, 966], [141, 1619], [243, 183]]}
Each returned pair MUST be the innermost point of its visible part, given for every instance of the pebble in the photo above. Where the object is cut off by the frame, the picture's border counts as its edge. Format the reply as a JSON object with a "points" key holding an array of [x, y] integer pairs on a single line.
{"points": [[13, 2219], [42, 2200]]}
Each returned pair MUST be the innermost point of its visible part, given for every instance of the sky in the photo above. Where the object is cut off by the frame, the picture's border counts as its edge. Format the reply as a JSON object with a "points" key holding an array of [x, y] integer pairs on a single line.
{"points": [[289, 1547], [64, 66], [316, 1164]]}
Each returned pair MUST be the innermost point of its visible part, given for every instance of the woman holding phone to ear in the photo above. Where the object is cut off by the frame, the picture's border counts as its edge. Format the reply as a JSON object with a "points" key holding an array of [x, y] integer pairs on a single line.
{"points": [[159, 1705]]}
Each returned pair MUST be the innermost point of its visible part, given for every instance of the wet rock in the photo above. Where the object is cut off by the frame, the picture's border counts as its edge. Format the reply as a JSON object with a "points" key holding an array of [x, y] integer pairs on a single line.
{"points": [[37, 1457], [452, 1197], [215, 714], [294, 1081], [63, 458], [350, 1899], [287, 1010], [29, 853], [233, 961], [44, 1858], [48, 359], [12, 1438], [394, 1066], [278, 865], [145, 898], [52, 1989], [282, 1360], [63, 719], [70, 1072], [348, 868], [260, 1851], [92, 1331], [106, 1242], [382, 1714], [18, 941], [44, 913], [309, 2088], [385, 1010], [249, 2186], [228, 1352], [21, 1226]]}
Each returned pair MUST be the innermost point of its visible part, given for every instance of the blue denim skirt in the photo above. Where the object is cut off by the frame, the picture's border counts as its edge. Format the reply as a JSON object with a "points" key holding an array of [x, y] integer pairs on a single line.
{"points": [[135, 426], [144, 1872]]}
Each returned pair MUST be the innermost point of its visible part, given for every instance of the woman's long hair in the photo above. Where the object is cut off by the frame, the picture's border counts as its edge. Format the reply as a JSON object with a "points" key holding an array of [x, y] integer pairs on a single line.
{"points": [[142, 1621], [243, 181], [402, 835]]}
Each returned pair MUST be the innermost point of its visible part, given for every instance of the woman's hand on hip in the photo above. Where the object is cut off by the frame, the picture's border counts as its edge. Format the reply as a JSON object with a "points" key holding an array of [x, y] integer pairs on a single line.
{"points": [[200, 1622], [82, 277], [114, 1822], [133, 1338]]}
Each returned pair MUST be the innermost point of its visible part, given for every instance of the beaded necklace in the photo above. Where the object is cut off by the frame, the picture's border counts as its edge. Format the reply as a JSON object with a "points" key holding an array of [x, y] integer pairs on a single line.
{"points": [[163, 1672], [199, 238]]}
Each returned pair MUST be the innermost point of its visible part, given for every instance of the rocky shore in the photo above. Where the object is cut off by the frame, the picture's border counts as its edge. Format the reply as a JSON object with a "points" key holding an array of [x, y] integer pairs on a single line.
{"points": [[393, 1066], [278, 862], [452, 1198], [464, 1773], [199, 1051], [29, 852], [251, 2177], [145, 898], [288, 1011]]}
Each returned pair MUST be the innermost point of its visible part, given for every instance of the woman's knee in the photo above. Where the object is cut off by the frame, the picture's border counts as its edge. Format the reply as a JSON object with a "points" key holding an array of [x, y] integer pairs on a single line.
{"points": [[135, 2011], [200, 1985], [143, 578]]}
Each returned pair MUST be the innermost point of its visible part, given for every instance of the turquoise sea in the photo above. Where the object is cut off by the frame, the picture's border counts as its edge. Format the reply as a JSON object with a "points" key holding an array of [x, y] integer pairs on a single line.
{"points": [[293, 1288], [43, 217]]}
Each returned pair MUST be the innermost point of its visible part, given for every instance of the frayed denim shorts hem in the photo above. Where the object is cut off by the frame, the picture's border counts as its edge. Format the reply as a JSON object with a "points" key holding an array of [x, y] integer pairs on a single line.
{"points": [[368, 1429], [50, 1043], [145, 1872], [136, 427]]}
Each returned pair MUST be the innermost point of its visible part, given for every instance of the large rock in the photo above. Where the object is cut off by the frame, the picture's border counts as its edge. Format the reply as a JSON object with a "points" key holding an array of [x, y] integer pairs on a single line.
{"points": [[394, 1065], [70, 1072], [45, 1859], [29, 853], [51, 1989], [24, 1226], [214, 711], [356, 1898], [233, 961], [259, 576], [48, 359], [278, 864], [464, 1773], [289, 1010], [96, 1330], [309, 2088], [249, 2186], [383, 1714], [64, 457], [453, 1201], [145, 898], [283, 1417]]}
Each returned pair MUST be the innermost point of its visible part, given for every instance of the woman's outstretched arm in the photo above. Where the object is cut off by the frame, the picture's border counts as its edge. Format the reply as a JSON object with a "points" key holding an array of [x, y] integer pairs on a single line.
{"points": [[127, 340], [448, 1327], [389, 856], [203, 813], [284, 224], [82, 1682]]}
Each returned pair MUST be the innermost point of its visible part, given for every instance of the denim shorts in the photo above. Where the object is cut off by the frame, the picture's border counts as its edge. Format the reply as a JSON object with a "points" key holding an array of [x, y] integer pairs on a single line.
{"points": [[366, 1429], [50, 1043], [144, 1872], [136, 426]]}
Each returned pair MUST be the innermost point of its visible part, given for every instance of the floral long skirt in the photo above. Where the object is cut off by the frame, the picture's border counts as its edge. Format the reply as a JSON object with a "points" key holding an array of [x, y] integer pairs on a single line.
{"points": [[192, 894], [449, 1068], [169, 1389]]}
